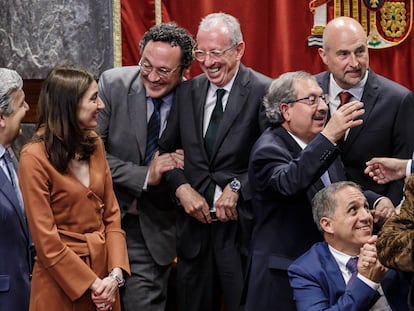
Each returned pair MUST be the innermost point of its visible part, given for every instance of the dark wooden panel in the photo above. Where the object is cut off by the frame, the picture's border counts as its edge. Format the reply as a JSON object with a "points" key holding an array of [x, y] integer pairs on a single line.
{"points": [[31, 88]]}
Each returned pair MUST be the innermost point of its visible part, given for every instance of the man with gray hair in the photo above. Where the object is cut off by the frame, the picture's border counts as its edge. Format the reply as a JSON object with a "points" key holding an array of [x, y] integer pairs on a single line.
{"points": [[16, 250], [289, 163], [344, 273], [216, 118]]}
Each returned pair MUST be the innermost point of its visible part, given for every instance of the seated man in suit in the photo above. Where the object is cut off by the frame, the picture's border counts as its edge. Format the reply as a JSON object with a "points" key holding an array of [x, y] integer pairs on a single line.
{"points": [[384, 170], [323, 278]]}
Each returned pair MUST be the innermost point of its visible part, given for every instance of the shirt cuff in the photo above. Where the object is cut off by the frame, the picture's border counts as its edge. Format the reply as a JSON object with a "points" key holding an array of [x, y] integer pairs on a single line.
{"points": [[367, 281], [409, 169], [145, 186]]}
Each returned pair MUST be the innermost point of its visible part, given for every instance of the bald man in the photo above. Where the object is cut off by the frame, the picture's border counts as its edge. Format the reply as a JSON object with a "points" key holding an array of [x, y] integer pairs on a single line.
{"points": [[388, 121]]}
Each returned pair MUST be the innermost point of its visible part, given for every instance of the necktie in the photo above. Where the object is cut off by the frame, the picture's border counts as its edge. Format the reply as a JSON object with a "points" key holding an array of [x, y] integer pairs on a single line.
{"points": [[153, 131], [209, 140], [13, 177], [344, 97], [214, 124], [352, 266]]}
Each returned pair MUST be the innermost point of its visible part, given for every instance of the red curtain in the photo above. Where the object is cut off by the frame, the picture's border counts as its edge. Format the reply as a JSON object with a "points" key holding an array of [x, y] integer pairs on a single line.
{"points": [[275, 32]]}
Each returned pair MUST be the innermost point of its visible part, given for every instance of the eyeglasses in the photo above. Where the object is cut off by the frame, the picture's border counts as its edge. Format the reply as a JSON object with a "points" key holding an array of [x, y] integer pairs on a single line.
{"points": [[201, 55], [163, 73], [311, 100]]}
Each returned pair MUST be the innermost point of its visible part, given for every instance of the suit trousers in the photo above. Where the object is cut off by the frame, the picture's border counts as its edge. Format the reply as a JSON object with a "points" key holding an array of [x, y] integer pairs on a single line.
{"points": [[146, 288], [215, 276]]}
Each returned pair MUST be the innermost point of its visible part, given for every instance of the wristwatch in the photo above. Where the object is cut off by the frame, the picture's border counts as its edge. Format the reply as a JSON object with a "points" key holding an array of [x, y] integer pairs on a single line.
{"points": [[235, 185], [120, 280]]}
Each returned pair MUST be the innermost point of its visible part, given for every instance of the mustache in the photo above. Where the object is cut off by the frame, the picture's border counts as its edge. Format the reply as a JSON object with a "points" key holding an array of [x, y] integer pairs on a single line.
{"points": [[320, 115]]}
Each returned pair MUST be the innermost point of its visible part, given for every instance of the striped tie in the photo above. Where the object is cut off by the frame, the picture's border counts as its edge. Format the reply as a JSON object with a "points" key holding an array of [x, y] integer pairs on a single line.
{"points": [[153, 131], [13, 178]]}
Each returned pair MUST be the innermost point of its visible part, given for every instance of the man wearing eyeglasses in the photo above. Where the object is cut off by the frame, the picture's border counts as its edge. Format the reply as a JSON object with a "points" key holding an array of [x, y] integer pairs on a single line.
{"points": [[389, 117], [216, 119], [290, 162], [137, 101]]}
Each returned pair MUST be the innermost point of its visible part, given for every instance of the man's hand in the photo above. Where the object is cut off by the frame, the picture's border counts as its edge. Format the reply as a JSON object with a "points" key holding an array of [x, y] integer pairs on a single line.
{"points": [[193, 203], [384, 170], [178, 157], [368, 264], [226, 205], [344, 118], [158, 166], [384, 209]]}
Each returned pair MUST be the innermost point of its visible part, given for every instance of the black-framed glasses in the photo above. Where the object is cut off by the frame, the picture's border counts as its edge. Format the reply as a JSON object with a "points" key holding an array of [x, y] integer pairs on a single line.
{"points": [[163, 73], [201, 55], [310, 100]]}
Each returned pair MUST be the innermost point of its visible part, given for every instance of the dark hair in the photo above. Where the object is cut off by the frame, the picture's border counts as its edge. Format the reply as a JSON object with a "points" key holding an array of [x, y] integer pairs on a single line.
{"points": [[59, 99], [171, 33]]}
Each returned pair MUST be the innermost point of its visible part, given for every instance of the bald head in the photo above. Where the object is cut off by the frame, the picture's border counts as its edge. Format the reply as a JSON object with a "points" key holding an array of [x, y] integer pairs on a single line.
{"points": [[345, 27]]}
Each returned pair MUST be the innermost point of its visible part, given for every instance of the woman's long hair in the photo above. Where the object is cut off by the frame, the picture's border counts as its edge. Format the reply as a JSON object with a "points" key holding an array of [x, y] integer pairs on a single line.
{"points": [[58, 122]]}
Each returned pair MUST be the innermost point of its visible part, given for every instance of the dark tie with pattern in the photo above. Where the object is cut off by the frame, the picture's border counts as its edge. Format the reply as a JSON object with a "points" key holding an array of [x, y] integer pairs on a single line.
{"points": [[13, 177], [344, 97], [352, 266], [210, 138], [153, 131]]}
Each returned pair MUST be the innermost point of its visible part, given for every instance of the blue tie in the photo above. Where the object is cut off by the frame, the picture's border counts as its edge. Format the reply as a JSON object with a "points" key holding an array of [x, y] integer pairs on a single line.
{"points": [[352, 266], [13, 177], [153, 131]]}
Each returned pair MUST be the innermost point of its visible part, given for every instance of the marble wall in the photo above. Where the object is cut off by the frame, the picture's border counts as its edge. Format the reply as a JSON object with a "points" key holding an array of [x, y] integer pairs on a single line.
{"points": [[37, 34]]}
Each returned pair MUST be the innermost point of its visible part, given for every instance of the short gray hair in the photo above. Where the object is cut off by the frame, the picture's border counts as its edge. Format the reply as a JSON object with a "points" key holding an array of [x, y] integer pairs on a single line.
{"points": [[10, 81], [324, 202], [282, 90], [232, 24]]}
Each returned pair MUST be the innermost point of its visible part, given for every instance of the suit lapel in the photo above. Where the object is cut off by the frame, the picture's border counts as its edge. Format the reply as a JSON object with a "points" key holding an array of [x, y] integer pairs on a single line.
{"points": [[199, 95], [7, 188], [137, 108], [369, 98], [235, 102]]}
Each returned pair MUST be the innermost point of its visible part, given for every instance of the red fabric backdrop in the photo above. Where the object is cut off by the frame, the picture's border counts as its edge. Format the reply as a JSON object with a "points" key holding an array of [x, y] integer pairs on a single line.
{"points": [[275, 32]]}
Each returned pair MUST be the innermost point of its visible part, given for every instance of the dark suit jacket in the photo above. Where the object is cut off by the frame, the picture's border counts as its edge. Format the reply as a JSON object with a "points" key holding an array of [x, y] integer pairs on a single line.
{"points": [[318, 284], [284, 179], [242, 123], [386, 131], [15, 250], [123, 127]]}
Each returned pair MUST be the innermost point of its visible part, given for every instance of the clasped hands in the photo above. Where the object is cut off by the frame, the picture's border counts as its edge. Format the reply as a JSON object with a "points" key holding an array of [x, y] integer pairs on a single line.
{"points": [[368, 264], [164, 163], [104, 291], [196, 206]]}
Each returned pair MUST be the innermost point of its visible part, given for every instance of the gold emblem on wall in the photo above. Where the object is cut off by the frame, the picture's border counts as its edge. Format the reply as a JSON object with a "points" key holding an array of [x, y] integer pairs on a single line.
{"points": [[387, 22]]}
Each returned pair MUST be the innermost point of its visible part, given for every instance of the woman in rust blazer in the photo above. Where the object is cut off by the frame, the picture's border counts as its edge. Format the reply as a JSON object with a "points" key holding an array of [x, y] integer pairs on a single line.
{"points": [[70, 204]]}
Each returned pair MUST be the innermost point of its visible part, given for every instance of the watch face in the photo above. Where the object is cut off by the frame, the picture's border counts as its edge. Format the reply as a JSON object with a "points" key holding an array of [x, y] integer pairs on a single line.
{"points": [[235, 185]]}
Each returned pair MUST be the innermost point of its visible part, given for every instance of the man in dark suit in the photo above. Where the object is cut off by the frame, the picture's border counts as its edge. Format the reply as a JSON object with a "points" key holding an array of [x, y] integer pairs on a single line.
{"points": [[389, 107], [216, 118], [289, 163], [324, 278], [137, 101], [16, 247]]}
